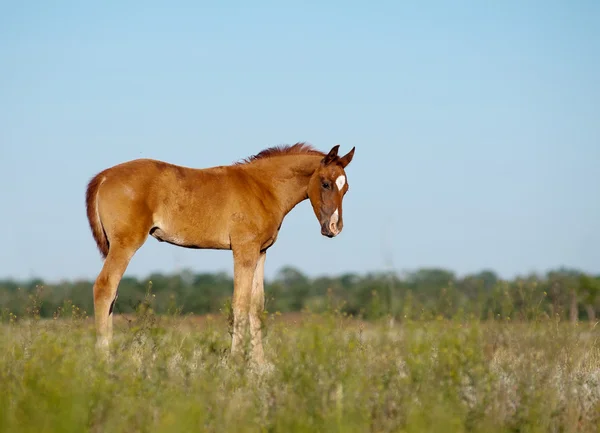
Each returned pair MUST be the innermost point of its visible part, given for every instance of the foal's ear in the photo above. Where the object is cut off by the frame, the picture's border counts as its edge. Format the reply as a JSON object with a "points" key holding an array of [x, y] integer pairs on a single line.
{"points": [[345, 160], [331, 156]]}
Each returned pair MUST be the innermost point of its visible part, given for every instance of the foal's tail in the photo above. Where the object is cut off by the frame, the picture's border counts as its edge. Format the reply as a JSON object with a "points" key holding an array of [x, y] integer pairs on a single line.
{"points": [[91, 202]]}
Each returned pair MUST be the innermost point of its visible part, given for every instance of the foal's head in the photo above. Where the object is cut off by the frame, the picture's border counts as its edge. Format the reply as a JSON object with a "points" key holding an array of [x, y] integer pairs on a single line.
{"points": [[326, 190]]}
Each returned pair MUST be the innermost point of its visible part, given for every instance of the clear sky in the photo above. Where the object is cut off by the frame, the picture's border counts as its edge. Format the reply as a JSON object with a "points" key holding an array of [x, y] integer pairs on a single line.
{"points": [[476, 125]]}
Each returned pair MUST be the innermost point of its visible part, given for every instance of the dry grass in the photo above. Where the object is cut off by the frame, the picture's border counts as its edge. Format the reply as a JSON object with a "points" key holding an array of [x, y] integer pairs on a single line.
{"points": [[329, 373]]}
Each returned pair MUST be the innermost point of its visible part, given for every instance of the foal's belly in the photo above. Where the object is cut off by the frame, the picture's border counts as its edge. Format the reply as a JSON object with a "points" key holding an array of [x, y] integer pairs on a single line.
{"points": [[200, 236], [191, 210]]}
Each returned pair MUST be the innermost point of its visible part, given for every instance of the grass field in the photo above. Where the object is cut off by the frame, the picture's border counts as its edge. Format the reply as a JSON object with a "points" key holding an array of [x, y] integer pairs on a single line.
{"points": [[329, 374]]}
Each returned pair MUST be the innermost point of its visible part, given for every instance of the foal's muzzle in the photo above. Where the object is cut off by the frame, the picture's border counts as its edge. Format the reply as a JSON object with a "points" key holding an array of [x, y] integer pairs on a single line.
{"points": [[332, 226], [330, 229], [326, 231]]}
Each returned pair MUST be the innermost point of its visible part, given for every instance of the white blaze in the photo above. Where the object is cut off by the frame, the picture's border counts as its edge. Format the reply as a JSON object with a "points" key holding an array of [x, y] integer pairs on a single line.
{"points": [[340, 182], [334, 219]]}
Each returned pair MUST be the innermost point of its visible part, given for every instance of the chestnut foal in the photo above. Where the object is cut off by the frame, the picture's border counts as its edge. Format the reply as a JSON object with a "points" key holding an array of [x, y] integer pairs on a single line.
{"points": [[239, 207]]}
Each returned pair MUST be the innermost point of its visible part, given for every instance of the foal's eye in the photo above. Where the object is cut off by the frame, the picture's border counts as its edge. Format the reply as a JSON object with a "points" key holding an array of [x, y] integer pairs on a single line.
{"points": [[326, 185]]}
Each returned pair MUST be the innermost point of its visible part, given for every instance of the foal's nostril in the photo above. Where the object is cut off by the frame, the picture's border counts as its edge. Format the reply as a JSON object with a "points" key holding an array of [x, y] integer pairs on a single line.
{"points": [[326, 230]]}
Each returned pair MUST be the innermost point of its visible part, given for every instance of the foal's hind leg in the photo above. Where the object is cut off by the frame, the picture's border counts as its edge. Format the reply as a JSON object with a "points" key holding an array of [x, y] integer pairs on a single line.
{"points": [[105, 289]]}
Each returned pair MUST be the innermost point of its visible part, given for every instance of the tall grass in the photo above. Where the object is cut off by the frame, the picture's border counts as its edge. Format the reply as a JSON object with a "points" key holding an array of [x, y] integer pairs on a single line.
{"points": [[330, 373]]}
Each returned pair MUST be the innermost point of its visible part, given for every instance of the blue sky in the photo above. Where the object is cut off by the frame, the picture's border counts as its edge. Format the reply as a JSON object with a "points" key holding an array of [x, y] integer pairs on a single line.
{"points": [[476, 125]]}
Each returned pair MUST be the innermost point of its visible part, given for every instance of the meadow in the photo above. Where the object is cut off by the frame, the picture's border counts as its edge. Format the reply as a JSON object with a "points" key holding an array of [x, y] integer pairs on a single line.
{"points": [[329, 372]]}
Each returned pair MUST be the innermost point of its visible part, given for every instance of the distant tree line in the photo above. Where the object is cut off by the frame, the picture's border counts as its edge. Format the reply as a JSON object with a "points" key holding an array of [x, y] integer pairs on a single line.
{"points": [[562, 293]]}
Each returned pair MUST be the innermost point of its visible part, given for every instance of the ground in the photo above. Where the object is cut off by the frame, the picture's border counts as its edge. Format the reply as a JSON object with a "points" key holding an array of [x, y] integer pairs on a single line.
{"points": [[329, 373]]}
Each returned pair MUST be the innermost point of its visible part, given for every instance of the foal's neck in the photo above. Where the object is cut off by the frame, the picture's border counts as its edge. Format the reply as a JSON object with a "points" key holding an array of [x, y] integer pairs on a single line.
{"points": [[290, 177]]}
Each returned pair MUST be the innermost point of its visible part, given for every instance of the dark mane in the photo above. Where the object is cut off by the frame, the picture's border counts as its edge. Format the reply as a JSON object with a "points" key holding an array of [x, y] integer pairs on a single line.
{"points": [[294, 149]]}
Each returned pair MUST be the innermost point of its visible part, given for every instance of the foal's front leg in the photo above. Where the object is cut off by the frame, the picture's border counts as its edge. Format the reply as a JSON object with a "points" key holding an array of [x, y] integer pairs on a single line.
{"points": [[244, 264], [257, 304]]}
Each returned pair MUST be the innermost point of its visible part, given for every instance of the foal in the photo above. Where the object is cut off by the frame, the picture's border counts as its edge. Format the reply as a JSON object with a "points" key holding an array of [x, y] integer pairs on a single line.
{"points": [[239, 207]]}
